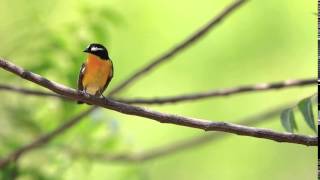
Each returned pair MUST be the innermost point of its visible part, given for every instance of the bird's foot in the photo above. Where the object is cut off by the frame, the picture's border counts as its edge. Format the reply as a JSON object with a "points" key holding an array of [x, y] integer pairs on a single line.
{"points": [[84, 93]]}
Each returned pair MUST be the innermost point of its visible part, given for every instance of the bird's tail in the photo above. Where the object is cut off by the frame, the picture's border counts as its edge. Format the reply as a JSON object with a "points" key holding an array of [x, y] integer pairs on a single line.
{"points": [[80, 102]]}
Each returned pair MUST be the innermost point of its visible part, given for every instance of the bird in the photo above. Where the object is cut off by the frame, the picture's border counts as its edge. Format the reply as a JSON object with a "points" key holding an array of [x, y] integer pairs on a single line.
{"points": [[97, 72]]}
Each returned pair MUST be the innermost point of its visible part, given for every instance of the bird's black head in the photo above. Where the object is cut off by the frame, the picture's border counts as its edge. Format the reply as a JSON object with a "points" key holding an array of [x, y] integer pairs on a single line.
{"points": [[98, 50]]}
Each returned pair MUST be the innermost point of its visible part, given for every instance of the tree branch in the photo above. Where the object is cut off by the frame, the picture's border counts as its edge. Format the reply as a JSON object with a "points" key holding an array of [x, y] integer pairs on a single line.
{"points": [[127, 109], [158, 116], [181, 46], [221, 92], [186, 97]]}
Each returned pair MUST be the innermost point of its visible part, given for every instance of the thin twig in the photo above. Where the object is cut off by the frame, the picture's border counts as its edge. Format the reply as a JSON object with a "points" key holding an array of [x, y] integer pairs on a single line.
{"points": [[27, 91], [181, 46], [221, 92], [186, 97]]}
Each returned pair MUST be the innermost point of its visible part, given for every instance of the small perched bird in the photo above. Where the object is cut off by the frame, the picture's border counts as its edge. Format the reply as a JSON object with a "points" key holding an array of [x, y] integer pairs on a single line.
{"points": [[97, 72]]}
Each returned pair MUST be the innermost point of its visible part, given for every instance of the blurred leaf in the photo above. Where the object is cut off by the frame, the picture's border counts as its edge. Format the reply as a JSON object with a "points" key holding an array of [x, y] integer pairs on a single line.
{"points": [[288, 121], [21, 118], [315, 99], [305, 107], [9, 171], [11, 143], [34, 173]]}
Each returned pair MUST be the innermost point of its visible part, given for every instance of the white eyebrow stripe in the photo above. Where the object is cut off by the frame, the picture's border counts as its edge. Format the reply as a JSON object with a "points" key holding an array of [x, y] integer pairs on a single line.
{"points": [[96, 49]]}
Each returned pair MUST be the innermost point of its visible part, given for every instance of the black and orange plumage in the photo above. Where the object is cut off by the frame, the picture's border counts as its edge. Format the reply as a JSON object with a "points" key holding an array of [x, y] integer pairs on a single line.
{"points": [[97, 72]]}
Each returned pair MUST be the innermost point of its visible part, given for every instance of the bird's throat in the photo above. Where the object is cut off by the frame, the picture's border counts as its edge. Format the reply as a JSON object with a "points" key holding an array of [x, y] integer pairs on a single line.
{"points": [[94, 60]]}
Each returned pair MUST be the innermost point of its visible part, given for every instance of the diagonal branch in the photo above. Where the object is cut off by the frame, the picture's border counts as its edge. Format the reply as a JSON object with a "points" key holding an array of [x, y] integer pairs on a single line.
{"points": [[181, 46], [186, 97], [158, 116]]}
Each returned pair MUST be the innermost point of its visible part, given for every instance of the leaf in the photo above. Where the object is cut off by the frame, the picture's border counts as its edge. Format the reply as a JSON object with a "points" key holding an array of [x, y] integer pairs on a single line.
{"points": [[10, 171], [288, 121], [34, 173], [315, 99], [305, 107]]}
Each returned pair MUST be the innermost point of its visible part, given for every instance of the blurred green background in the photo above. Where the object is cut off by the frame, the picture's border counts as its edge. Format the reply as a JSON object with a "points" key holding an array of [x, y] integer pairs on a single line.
{"points": [[263, 41]]}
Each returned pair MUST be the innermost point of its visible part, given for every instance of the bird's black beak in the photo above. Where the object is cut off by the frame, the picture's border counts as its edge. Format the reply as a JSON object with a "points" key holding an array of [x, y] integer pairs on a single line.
{"points": [[86, 50]]}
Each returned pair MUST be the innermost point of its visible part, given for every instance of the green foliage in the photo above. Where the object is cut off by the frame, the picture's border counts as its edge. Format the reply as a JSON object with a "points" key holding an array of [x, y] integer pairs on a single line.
{"points": [[288, 121], [22, 119], [10, 171], [34, 173], [305, 107]]}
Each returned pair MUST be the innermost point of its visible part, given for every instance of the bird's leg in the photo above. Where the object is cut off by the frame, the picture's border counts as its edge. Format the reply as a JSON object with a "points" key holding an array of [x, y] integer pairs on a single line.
{"points": [[104, 98], [101, 94], [85, 93]]}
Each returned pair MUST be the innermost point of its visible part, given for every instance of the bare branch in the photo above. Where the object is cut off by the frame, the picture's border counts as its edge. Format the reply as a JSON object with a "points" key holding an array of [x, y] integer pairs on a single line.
{"points": [[158, 116], [138, 111], [206, 138], [221, 92], [181, 46]]}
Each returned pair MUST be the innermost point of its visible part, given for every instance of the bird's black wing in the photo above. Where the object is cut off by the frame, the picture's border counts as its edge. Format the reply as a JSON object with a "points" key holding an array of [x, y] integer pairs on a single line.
{"points": [[81, 73], [109, 79]]}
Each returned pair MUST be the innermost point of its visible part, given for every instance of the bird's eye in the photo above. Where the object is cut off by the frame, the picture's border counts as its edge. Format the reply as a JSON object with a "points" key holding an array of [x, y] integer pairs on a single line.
{"points": [[96, 49]]}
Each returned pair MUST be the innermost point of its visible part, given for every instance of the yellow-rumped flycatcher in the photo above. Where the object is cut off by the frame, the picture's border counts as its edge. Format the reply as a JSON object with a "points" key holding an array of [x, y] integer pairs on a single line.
{"points": [[97, 72]]}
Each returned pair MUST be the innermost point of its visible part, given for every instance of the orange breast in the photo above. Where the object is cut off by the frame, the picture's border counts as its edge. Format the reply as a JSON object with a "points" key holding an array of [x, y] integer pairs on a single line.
{"points": [[96, 74]]}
